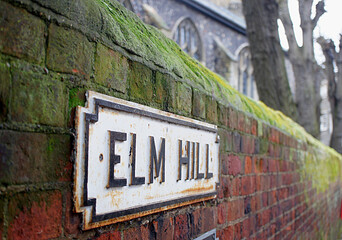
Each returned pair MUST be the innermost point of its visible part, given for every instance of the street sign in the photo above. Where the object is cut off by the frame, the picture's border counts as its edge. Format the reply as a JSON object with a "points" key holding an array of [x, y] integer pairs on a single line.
{"points": [[133, 160]]}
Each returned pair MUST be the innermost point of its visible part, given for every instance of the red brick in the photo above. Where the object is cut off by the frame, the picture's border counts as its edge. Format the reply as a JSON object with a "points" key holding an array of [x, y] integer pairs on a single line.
{"points": [[226, 233], [241, 122], [35, 215], [248, 165], [72, 220], [254, 129], [110, 236], [257, 183], [164, 228], [237, 231], [137, 233], [222, 213], [235, 209], [225, 163], [272, 197], [234, 167], [246, 228], [247, 185], [181, 227], [232, 118], [264, 199]]}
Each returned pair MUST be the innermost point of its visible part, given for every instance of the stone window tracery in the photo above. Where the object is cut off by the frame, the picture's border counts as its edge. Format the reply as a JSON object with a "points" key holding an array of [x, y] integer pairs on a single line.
{"points": [[245, 74], [188, 38]]}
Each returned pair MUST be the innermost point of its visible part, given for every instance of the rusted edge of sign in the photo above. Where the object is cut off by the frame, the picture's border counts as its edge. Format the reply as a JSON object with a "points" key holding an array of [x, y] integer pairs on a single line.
{"points": [[128, 214]]}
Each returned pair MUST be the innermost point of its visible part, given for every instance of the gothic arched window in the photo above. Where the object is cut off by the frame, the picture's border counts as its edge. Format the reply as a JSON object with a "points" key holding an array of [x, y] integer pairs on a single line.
{"points": [[188, 38], [246, 79]]}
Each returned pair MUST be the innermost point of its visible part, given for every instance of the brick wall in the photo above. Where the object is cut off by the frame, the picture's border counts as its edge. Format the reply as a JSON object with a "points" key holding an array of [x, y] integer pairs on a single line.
{"points": [[52, 52]]}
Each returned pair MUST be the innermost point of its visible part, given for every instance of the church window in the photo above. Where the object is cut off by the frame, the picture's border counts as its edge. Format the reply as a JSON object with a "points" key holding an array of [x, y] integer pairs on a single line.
{"points": [[187, 37]]}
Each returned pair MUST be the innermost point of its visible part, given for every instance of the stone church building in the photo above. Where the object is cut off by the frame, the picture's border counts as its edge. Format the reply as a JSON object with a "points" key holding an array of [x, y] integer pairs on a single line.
{"points": [[214, 32], [215, 36]]}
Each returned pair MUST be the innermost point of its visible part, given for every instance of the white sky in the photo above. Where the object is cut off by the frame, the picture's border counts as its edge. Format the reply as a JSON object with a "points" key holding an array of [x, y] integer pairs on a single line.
{"points": [[329, 25]]}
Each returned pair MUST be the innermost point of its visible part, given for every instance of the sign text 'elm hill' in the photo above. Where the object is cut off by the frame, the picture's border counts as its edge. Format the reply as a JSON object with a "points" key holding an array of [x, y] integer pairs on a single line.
{"points": [[133, 160]]}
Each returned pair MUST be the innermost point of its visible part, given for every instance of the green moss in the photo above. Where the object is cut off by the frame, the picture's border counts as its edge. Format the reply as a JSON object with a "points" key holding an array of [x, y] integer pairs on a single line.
{"points": [[76, 98], [126, 30]]}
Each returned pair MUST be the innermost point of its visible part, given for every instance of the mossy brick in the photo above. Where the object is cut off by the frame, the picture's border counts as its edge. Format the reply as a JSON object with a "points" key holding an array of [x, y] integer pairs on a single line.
{"points": [[211, 109], [161, 95], [35, 215], [184, 98], [21, 34], [140, 82], [69, 51], [222, 113], [171, 93], [233, 119], [2, 214], [111, 68], [198, 104], [37, 98], [5, 89], [34, 157]]}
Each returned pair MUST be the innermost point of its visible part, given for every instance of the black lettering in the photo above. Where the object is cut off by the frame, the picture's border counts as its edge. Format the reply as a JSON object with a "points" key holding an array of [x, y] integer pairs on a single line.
{"points": [[183, 160], [193, 161], [207, 173], [199, 175], [115, 159], [157, 163], [134, 180]]}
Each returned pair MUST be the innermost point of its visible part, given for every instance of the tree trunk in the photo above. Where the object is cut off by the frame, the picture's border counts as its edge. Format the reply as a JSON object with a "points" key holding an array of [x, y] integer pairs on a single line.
{"points": [[304, 64], [267, 55], [334, 89]]}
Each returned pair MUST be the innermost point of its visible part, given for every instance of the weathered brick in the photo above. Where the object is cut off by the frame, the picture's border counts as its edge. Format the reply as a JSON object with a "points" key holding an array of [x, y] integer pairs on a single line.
{"points": [[136, 233], [164, 228], [211, 109], [226, 233], [72, 221], [246, 228], [5, 89], [234, 167], [235, 209], [115, 235], [36, 98], [247, 185], [198, 104], [237, 231], [111, 68], [248, 165], [2, 214], [140, 82], [223, 117], [225, 140], [161, 95], [21, 34], [34, 157], [233, 120], [184, 98], [69, 51], [35, 215], [236, 142], [222, 213], [241, 122], [181, 227]]}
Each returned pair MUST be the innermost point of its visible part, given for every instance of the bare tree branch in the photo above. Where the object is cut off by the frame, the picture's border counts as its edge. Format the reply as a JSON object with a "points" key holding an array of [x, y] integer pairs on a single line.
{"points": [[285, 18], [319, 12]]}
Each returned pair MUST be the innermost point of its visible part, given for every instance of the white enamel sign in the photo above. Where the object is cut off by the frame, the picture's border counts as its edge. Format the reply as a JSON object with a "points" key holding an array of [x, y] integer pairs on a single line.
{"points": [[133, 160]]}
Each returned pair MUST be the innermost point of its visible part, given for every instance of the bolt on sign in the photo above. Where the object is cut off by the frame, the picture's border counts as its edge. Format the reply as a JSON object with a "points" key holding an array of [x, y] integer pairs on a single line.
{"points": [[133, 160]]}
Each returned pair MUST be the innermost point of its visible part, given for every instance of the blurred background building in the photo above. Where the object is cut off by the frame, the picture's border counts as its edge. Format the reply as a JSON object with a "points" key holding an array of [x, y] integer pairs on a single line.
{"points": [[214, 33]]}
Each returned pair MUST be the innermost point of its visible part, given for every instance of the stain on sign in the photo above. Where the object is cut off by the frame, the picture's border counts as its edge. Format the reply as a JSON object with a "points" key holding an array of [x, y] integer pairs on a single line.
{"points": [[133, 160]]}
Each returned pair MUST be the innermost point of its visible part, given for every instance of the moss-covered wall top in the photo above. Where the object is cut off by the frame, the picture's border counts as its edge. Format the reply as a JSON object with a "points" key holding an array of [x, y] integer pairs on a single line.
{"points": [[109, 23]]}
